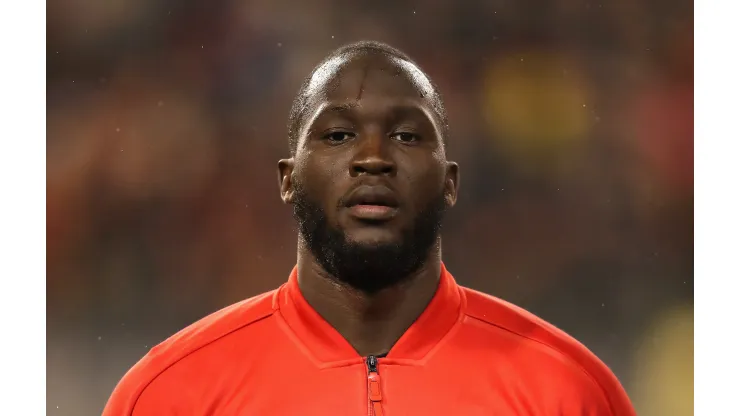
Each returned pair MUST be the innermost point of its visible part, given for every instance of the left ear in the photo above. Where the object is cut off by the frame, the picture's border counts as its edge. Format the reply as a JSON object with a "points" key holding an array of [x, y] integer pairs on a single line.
{"points": [[452, 183], [285, 179]]}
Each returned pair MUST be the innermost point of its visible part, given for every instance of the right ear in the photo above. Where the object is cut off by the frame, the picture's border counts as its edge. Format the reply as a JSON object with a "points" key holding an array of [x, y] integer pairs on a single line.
{"points": [[285, 179]]}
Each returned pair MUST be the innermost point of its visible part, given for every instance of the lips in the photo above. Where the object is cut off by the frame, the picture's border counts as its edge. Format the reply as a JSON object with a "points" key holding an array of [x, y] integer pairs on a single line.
{"points": [[372, 203], [373, 196]]}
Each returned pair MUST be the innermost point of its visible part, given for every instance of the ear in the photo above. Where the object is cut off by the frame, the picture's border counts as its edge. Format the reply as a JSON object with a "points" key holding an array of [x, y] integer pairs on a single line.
{"points": [[285, 179], [452, 183]]}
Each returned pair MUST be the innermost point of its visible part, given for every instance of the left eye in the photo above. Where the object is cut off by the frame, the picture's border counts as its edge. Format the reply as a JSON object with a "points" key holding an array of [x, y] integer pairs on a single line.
{"points": [[405, 137]]}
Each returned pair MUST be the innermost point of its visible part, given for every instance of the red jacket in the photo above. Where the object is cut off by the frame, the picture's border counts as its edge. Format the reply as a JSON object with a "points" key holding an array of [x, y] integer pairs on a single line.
{"points": [[467, 354]]}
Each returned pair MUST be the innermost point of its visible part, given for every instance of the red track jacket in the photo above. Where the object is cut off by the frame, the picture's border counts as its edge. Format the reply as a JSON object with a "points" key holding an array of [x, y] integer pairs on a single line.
{"points": [[467, 354]]}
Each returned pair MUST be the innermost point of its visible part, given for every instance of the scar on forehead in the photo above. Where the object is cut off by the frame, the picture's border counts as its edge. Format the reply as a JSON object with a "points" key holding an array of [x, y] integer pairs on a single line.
{"points": [[362, 82]]}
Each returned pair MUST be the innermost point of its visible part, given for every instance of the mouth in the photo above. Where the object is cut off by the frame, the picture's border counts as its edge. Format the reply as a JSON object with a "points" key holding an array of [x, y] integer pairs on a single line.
{"points": [[372, 203], [373, 212]]}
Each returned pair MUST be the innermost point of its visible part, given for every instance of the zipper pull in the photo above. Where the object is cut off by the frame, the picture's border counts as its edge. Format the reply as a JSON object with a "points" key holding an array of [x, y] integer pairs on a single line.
{"points": [[373, 385]]}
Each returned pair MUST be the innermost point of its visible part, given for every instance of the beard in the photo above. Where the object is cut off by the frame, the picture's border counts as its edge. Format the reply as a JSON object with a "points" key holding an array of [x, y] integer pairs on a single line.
{"points": [[368, 268]]}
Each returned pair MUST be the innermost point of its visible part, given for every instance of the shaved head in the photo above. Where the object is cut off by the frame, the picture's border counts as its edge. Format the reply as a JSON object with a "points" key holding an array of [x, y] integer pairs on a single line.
{"points": [[326, 76]]}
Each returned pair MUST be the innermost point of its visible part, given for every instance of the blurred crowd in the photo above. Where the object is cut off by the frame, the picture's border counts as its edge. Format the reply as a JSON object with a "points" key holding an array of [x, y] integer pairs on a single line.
{"points": [[572, 122]]}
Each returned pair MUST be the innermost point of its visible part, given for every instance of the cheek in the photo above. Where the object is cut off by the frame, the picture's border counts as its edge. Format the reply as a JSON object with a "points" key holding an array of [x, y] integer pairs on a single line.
{"points": [[425, 183], [320, 180], [325, 163]]}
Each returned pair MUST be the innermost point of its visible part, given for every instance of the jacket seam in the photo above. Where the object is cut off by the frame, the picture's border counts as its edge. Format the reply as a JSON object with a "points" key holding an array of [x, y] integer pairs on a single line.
{"points": [[560, 352], [149, 383]]}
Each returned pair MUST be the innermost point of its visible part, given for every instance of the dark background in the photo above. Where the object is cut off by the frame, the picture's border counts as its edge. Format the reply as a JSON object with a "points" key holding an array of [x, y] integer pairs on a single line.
{"points": [[572, 122]]}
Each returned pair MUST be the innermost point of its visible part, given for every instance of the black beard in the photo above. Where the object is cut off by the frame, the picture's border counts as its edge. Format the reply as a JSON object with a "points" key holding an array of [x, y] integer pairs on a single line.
{"points": [[368, 268]]}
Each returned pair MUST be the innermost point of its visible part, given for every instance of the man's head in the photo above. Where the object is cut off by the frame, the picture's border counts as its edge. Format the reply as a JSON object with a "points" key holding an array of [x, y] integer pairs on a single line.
{"points": [[369, 178]]}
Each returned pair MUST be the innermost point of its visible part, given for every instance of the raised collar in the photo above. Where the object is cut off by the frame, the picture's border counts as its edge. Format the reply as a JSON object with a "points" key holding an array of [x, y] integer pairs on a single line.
{"points": [[327, 346]]}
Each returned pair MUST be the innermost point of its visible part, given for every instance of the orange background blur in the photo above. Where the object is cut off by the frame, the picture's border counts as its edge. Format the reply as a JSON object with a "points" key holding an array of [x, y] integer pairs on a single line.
{"points": [[572, 122]]}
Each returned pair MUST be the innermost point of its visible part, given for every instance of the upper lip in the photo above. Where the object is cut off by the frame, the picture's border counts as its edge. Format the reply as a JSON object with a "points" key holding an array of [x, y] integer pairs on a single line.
{"points": [[372, 195]]}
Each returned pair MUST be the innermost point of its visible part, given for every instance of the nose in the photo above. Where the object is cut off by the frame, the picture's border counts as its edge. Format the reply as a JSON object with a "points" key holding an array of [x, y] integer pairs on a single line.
{"points": [[373, 158]]}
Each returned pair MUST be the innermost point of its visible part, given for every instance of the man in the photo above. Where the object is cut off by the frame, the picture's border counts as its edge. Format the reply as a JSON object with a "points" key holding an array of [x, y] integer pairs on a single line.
{"points": [[370, 320]]}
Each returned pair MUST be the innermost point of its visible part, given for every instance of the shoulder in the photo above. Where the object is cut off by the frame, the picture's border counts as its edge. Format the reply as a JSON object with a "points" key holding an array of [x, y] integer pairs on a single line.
{"points": [[568, 364], [219, 325]]}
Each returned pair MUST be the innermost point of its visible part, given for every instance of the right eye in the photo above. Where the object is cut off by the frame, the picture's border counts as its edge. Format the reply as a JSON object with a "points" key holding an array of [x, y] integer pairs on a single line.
{"points": [[338, 137]]}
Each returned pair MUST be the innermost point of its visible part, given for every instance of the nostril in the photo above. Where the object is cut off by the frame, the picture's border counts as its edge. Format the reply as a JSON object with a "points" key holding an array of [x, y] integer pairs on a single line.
{"points": [[373, 166]]}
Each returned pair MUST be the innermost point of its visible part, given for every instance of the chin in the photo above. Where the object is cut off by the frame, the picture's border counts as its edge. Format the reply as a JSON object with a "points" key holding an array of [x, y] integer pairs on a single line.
{"points": [[372, 238]]}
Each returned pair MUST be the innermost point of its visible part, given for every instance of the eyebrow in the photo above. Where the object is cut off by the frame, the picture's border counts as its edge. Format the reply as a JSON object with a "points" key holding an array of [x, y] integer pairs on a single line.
{"points": [[338, 108], [401, 109], [409, 110]]}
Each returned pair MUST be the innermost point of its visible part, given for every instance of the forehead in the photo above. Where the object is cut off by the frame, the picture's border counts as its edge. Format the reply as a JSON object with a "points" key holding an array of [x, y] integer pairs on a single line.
{"points": [[347, 78]]}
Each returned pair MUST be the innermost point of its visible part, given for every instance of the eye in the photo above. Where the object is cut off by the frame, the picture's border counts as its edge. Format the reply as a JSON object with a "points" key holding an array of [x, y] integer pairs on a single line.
{"points": [[405, 137], [337, 137]]}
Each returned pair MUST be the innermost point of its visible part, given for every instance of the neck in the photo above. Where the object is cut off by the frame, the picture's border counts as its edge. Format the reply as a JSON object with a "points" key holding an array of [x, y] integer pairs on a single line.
{"points": [[371, 323]]}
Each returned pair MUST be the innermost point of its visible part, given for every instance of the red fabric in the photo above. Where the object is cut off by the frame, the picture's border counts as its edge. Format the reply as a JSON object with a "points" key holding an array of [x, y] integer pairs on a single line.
{"points": [[467, 354]]}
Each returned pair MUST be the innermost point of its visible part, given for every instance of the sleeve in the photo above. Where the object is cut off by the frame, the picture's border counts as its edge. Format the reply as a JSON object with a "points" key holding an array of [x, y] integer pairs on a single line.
{"points": [[131, 401], [600, 395], [147, 391], [619, 402], [123, 399], [132, 396]]}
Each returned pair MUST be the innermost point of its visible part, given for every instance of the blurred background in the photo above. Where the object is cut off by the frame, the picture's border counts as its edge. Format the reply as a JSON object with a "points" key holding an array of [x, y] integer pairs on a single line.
{"points": [[572, 122]]}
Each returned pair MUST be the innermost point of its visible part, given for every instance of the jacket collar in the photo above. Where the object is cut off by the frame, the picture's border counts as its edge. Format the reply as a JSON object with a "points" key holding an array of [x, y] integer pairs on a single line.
{"points": [[326, 345]]}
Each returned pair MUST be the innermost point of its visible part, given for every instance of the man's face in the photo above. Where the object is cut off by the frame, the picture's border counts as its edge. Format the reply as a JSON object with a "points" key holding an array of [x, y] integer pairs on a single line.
{"points": [[369, 180]]}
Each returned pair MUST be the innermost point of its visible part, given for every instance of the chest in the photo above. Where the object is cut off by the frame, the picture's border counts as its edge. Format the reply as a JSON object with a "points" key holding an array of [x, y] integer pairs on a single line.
{"points": [[393, 390]]}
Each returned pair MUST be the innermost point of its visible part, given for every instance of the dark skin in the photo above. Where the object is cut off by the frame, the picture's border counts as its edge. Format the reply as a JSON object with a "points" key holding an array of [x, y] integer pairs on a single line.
{"points": [[370, 122]]}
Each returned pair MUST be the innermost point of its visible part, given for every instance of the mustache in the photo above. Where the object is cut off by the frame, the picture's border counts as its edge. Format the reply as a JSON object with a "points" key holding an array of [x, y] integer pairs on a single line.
{"points": [[311, 215], [373, 192]]}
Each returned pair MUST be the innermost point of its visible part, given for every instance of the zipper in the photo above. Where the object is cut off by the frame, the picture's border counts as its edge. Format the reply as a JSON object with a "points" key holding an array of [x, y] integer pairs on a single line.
{"points": [[373, 387]]}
